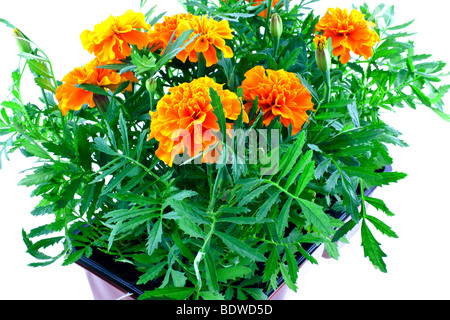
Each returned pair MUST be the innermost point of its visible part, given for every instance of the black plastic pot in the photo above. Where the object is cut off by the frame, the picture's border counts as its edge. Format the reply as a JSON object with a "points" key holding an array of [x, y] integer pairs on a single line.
{"points": [[111, 280]]}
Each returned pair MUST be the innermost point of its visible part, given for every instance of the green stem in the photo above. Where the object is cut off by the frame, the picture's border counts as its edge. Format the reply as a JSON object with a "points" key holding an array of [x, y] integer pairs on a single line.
{"points": [[276, 43], [269, 12], [200, 255], [201, 65], [327, 82]]}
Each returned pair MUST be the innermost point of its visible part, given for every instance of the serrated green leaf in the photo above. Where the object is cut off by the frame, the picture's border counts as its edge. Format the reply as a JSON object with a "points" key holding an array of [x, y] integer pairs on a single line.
{"points": [[342, 231], [240, 247], [305, 178], [152, 273], [421, 96], [283, 218], [228, 273], [316, 216], [102, 146], [169, 293], [292, 265], [249, 197], [211, 273], [190, 228], [379, 205], [299, 168], [154, 237], [73, 257], [287, 278], [92, 88], [290, 158], [37, 178], [372, 248], [271, 265], [381, 226], [267, 205]]}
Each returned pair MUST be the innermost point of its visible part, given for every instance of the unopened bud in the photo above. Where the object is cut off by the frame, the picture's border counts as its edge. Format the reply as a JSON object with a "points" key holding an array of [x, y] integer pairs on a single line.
{"points": [[323, 58], [151, 84], [276, 25], [22, 42]]}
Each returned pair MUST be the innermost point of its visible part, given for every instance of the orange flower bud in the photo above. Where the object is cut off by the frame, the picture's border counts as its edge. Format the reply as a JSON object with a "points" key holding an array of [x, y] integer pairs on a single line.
{"points": [[323, 58]]}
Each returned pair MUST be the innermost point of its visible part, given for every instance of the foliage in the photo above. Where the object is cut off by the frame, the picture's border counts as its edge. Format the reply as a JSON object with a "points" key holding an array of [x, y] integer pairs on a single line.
{"points": [[219, 231]]}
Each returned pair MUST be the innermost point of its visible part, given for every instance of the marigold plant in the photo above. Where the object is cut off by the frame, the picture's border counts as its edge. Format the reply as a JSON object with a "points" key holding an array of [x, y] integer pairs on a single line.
{"points": [[207, 154]]}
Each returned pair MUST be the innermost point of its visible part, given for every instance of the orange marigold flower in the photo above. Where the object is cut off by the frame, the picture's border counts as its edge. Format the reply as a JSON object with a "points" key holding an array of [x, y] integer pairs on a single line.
{"points": [[183, 116], [71, 97], [279, 93], [348, 32], [162, 31], [111, 39], [211, 36]]}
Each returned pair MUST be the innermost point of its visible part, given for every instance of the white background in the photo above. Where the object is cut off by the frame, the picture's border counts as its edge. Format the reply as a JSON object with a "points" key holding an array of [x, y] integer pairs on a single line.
{"points": [[418, 262]]}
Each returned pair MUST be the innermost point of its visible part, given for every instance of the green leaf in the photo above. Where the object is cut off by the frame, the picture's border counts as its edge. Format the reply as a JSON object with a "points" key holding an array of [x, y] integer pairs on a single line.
{"points": [[421, 96], [379, 205], [354, 114], [316, 216], [73, 257], [219, 112], [39, 68], [134, 198], [305, 178], [289, 159], [102, 146], [178, 278], [292, 265], [299, 167], [372, 248], [190, 228], [69, 193], [37, 178], [287, 278], [372, 178], [283, 218], [402, 26], [154, 237], [234, 272], [41, 210], [94, 89], [189, 211], [240, 247], [211, 274], [181, 293], [267, 205], [342, 231], [253, 194], [152, 273], [124, 133], [381, 226], [117, 179], [45, 84], [271, 265]]}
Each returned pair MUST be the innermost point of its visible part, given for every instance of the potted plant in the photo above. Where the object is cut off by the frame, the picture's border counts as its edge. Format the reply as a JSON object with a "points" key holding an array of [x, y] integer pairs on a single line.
{"points": [[209, 151]]}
